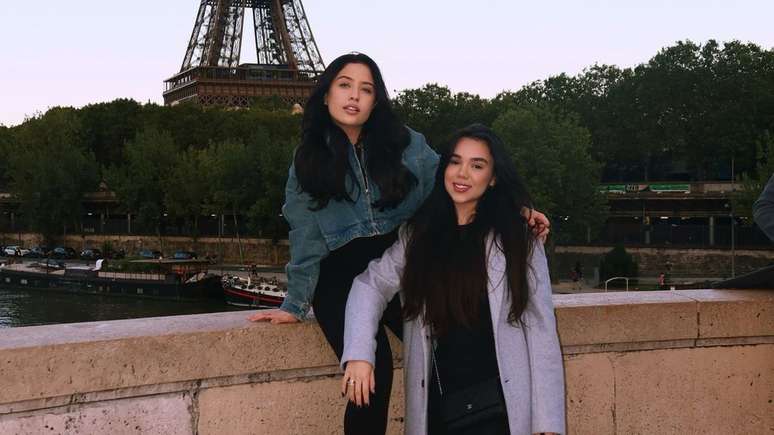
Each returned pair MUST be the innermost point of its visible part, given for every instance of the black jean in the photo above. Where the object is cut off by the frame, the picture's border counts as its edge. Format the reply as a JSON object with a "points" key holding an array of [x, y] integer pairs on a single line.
{"points": [[337, 271]]}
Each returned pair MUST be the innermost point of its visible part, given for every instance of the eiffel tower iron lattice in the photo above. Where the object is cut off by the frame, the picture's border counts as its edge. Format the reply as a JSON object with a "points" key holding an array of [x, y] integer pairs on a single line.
{"points": [[288, 57]]}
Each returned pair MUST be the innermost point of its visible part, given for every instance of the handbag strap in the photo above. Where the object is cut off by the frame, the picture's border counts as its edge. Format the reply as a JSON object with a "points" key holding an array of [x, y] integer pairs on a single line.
{"points": [[435, 366]]}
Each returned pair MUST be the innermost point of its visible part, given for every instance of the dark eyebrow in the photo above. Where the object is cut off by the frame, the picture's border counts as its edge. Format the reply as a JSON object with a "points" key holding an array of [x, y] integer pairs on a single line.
{"points": [[475, 159], [351, 79]]}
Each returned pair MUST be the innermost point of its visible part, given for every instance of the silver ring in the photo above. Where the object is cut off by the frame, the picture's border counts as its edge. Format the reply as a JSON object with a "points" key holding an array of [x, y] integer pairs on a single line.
{"points": [[351, 382]]}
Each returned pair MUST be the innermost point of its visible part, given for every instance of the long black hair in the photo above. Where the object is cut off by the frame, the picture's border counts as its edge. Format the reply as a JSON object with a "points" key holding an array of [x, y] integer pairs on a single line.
{"points": [[321, 160], [446, 264]]}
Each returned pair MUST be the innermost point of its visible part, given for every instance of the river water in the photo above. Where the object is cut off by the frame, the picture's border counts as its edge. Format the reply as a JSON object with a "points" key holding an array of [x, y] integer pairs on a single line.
{"points": [[25, 307]]}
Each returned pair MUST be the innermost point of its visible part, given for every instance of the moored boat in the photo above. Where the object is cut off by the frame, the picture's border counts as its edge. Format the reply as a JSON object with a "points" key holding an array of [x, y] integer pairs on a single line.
{"points": [[253, 291], [159, 279]]}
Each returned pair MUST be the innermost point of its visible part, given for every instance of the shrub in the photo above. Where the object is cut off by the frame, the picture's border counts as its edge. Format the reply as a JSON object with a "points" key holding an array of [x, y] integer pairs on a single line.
{"points": [[617, 262]]}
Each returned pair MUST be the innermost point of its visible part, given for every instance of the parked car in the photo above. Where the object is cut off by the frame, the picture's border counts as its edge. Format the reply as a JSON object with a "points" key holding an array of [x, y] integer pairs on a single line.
{"points": [[185, 255], [149, 254], [15, 251], [116, 255], [64, 253], [91, 254], [38, 252]]}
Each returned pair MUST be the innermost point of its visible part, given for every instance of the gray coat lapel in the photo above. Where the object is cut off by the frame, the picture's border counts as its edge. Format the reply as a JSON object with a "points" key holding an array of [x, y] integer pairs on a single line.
{"points": [[497, 283]]}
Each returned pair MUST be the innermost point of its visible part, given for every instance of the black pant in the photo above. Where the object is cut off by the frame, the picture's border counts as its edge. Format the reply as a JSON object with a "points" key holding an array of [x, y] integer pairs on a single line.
{"points": [[330, 300]]}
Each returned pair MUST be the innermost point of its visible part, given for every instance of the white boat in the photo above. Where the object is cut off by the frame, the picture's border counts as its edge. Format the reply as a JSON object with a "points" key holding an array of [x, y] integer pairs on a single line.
{"points": [[253, 291]]}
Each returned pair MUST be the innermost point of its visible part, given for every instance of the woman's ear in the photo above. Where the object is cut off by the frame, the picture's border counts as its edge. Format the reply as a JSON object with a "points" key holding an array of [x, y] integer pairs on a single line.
{"points": [[493, 182]]}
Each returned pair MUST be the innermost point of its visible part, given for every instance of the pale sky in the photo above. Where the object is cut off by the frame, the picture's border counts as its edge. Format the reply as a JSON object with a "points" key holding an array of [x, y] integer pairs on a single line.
{"points": [[76, 52]]}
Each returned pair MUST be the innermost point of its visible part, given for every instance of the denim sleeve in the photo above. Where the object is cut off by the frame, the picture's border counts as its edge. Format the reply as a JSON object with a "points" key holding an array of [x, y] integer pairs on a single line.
{"points": [[428, 164], [763, 209], [307, 249]]}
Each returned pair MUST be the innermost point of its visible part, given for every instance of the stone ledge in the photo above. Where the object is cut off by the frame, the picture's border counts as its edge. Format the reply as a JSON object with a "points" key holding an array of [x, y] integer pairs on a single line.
{"points": [[73, 360], [153, 351], [639, 362], [663, 318], [625, 317]]}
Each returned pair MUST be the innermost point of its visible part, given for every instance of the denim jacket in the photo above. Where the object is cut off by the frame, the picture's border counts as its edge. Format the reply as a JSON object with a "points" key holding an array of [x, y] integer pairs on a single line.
{"points": [[314, 234]]}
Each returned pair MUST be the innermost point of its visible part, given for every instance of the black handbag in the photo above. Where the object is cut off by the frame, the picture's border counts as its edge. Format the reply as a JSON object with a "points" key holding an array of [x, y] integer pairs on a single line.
{"points": [[472, 405]]}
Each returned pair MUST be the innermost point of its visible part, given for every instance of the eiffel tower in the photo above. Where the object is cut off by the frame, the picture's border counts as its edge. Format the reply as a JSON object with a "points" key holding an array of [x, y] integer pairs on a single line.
{"points": [[288, 57]]}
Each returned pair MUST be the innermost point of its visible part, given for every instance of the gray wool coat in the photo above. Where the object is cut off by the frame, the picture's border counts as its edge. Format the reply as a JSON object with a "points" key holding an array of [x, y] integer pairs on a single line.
{"points": [[528, 355]]}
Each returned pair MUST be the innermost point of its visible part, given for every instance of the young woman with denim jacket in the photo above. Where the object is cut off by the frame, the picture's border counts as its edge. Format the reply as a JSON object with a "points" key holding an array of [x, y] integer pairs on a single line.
{"points": [[358, 174], [480, 331]]}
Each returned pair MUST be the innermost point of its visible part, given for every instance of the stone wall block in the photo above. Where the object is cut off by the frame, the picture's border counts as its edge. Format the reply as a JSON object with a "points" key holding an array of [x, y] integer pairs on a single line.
{"points": [[167, 414], [734, 313], [700, 390], [624, 317], [590, 395], [303, 406]]}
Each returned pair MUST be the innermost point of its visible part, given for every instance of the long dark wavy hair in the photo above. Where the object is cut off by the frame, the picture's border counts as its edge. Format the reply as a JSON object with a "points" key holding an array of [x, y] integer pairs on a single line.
{"points": [[321, 160], [446, 264]]}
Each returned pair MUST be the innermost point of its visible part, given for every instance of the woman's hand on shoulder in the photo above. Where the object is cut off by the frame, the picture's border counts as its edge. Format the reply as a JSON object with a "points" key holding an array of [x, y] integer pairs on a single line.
{"points": [[273, 316], [358, 382], [538, 222]]}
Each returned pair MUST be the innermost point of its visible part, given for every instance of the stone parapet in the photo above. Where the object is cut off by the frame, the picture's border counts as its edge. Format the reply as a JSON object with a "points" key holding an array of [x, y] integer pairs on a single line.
{"points": [[692, 361]]}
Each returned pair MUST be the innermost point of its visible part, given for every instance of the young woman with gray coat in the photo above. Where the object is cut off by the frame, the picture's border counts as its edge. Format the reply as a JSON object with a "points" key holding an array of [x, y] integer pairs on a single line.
{"points": [[479, 326]]}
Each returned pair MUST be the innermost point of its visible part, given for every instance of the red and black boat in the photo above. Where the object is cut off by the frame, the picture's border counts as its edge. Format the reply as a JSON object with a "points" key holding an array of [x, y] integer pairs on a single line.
{"points": [[253, 291]]}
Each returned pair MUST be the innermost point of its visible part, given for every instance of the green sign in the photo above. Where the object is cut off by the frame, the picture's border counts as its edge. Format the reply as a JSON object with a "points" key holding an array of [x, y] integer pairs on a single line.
{"points": [[613, 188], [670, 187], [654, 187]]}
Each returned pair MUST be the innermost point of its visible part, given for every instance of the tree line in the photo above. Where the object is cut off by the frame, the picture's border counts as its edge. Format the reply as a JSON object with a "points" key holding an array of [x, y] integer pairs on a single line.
{"points": [[162, 163], [684, 115]]}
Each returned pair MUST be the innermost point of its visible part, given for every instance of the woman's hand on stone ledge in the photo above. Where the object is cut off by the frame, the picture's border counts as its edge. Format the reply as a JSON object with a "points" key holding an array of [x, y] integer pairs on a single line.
{"points": [[273, 316], [358, 382]]}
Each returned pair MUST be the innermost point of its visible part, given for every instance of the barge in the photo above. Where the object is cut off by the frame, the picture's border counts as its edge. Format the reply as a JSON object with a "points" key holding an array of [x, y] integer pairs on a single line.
{"points": [[159, 279]]}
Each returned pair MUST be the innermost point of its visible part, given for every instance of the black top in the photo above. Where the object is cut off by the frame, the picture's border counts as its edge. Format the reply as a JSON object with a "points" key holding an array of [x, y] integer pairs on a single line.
{"points": [[466, 356]]}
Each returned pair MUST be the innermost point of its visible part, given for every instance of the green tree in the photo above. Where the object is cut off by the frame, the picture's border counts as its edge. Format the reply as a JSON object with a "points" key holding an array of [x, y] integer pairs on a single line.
{"points": [[551, 153], [139, 181], [753, 182], [435, 112], [6, 141], [5, 150], [50, 171], [187, 188], [265, 214], [235, 178], [617, 262], [108, 126]]}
